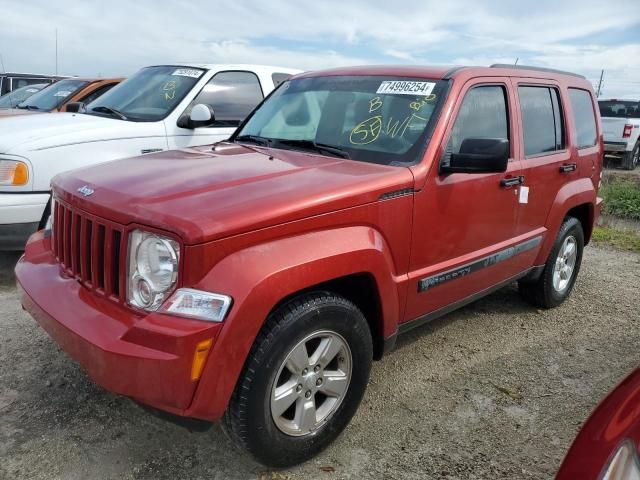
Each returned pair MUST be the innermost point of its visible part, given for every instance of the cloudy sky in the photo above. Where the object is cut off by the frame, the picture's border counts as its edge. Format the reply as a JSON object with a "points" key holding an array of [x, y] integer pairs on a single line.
{"points": [[118, 37]]}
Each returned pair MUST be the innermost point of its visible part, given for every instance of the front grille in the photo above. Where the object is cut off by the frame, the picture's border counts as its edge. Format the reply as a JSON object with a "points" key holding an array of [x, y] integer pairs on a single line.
{"points": [[90, 249]]}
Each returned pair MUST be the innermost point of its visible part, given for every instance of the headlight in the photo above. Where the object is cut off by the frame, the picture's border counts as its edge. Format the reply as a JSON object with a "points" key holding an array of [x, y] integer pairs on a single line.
{"points": [[13, 172], [153, 269], [624, 465]]}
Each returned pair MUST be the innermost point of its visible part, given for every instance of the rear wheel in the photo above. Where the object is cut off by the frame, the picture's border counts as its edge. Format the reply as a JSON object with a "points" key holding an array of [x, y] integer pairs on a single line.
{"points": [[303, 380], [561, 269], [631, 159]]}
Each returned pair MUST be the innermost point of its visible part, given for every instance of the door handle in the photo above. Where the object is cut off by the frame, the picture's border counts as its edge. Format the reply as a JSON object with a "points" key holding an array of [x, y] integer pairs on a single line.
{"points": [[568, 167], [512, 181]]}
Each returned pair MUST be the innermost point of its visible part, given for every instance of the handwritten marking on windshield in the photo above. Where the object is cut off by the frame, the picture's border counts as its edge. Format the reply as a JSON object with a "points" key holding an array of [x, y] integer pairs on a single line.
{"points": [[374, 104], [366, 131], [169, 90], [421, 102]]}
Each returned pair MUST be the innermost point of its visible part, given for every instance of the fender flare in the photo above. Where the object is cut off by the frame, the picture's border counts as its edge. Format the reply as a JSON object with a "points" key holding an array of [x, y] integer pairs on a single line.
{"points": [[577, 192], [261, 276]]}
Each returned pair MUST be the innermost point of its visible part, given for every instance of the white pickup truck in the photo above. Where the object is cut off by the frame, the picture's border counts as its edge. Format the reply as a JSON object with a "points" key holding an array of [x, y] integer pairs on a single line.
{"points": [[161, 107], [621, 128]]}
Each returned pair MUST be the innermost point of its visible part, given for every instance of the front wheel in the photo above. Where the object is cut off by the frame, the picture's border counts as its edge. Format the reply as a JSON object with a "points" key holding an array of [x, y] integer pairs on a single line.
{"points": [[561, 269], [303, 381]]}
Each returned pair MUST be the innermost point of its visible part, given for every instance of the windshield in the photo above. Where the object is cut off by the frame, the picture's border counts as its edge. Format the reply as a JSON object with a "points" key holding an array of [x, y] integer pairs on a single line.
{"points": [[148, 96], [55, 95], [12, 99], [373, 119], [619, 109]]}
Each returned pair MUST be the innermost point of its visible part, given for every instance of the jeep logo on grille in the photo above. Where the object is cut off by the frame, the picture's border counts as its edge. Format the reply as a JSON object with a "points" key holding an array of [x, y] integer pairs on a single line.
{"points": [[85, 190]]}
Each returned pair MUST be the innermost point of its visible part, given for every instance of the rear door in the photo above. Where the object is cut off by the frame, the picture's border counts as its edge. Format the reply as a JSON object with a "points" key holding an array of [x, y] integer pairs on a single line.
{"points": [[232, 95], [546, 159], [464, 226]]}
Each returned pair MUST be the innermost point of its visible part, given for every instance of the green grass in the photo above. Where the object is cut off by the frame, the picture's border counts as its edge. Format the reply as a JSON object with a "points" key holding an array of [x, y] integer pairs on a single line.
{"points": [[621, 197], [616, 238]]}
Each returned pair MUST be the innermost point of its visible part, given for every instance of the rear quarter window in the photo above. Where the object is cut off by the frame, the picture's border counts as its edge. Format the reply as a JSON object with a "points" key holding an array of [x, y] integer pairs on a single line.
{"points": [[584, 118]]}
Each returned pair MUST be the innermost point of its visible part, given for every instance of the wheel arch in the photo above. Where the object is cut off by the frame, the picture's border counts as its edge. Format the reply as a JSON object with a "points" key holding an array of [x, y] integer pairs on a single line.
{"points": [[355, 262], [576, 198]]}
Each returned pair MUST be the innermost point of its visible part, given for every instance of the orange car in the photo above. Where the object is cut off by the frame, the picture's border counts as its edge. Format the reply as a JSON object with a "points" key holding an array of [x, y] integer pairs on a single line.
{"points": [[57, 96]]}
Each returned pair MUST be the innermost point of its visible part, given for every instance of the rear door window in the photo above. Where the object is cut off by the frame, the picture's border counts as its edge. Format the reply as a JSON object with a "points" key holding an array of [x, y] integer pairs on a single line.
{"points": [[584, 116], [542, 120]]}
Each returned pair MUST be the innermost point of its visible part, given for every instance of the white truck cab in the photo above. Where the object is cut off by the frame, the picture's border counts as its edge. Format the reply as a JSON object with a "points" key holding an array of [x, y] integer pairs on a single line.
{"points": [[162, 107], [621, 129]]}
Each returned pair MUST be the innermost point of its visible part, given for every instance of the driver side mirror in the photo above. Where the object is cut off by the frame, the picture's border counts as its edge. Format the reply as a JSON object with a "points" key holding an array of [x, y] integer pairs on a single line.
{"points": [[201, 116], [74, 107], [479, 155]]}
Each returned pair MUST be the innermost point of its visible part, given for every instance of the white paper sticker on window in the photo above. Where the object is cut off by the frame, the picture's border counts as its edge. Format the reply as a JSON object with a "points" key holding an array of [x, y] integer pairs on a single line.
{"points": [[187, 72], [62, 93], [403, 87], [524, 195]]}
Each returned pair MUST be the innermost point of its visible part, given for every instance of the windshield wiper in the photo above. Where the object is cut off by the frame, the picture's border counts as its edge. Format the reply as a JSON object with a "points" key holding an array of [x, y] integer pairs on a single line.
{"points": [[28, 107], [258, 140], [318, 147], [111, 111]]}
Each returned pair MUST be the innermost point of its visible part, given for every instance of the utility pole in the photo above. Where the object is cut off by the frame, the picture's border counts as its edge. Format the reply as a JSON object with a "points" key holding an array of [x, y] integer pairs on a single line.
{"points": [[56, 51], [516, 62], [600, 84], [2, 64]]}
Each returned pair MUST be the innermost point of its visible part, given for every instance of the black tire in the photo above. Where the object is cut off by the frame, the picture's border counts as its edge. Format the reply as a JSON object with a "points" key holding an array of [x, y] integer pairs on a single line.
{"points": [[542, 292], [248, 420], [631, 159]]}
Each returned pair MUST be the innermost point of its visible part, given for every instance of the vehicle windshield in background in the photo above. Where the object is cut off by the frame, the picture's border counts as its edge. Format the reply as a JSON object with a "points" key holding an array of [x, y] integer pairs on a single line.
{"points": [[619, 108], [382, 120], [149, 95], [53, 96], [14, 98]]}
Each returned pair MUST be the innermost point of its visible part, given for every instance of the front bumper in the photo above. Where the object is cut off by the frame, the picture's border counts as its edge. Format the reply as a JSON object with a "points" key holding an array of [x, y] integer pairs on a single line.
{"points": [[20, 216], [147, 358]]}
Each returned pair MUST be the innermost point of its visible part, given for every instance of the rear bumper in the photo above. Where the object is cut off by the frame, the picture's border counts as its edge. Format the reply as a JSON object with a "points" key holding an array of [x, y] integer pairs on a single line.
{"points": [[147, 358], [616, 147]]}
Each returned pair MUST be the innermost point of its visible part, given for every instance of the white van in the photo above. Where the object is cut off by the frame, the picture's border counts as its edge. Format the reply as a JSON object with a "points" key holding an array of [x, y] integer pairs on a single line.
{"points": [[162, 107]]}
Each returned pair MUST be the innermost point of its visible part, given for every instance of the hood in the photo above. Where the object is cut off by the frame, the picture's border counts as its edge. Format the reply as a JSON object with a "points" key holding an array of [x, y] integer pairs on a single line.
{"points": [[204, 195], [24, 133], [14, 112]]}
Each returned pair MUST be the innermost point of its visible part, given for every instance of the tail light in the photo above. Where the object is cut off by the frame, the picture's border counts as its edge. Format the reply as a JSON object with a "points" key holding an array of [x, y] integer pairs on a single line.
{"points": [[626, 133]]}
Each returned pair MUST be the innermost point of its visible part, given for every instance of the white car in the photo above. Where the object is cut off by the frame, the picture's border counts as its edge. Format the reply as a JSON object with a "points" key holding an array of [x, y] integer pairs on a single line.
{"points": [[621, 129], [161, 107]]}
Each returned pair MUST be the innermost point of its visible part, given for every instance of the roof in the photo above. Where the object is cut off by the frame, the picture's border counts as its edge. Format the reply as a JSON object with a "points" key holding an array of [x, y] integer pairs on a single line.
{"points": [[444, 72], [96, 79], [235, 66], [37, 75]]}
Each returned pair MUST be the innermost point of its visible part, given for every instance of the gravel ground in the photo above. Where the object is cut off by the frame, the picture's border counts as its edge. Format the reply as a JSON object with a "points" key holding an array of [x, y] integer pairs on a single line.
{"points": [[495, 390]]}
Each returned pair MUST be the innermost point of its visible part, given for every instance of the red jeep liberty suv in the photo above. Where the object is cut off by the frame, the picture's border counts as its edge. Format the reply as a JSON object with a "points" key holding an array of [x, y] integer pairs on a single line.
{"points": [[254, 281]]}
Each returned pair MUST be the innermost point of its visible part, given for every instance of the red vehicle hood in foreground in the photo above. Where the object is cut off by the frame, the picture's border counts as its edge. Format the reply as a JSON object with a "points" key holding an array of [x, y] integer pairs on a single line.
{"points": [[614, 423], [203, 194]]}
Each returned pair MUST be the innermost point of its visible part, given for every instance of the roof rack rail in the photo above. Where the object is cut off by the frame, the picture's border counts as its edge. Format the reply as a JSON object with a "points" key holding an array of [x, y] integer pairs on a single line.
{"points": [[538, 69]]}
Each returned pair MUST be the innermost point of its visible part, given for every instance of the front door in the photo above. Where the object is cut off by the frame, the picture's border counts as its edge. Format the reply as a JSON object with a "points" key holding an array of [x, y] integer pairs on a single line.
{"points": [[464, 227]]}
